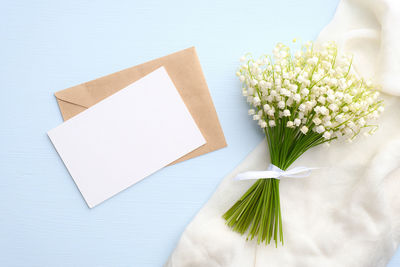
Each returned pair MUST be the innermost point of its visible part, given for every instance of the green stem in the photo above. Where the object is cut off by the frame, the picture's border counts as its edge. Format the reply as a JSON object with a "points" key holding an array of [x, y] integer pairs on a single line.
{"points": [[258, 212]]}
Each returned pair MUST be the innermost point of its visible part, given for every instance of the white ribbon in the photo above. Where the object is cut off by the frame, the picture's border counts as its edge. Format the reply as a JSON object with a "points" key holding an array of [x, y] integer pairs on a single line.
{"points": [[275, 172]]}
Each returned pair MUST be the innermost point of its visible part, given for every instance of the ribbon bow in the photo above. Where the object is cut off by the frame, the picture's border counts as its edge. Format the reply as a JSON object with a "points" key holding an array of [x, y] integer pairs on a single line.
{"points": [[275, 172]]}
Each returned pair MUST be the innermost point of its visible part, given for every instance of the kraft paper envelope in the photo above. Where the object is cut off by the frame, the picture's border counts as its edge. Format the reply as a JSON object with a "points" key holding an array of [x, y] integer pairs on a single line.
{"points": [[185, 71]]}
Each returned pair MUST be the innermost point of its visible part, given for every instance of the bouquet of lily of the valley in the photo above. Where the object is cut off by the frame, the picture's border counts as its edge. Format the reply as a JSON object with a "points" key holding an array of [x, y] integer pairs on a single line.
{"points": [[300, 101]]}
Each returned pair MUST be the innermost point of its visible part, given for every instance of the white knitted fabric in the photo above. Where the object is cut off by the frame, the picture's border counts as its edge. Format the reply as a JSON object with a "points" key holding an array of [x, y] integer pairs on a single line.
{"points": [[347, 213]]}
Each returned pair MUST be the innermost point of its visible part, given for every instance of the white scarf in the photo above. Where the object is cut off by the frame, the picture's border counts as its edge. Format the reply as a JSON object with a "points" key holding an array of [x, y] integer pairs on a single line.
{"points": [[347, 213]]}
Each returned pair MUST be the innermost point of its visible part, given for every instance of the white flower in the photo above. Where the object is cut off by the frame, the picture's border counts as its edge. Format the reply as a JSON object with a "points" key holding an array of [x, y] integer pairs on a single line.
{"points": [[297, 122], [351, 125], [327, 135], [256, 117], [297, 98], [302, 107], [256, 101], [267, 107], [339, 118], [286, 113], [320, 129], [309, 105], [323, 110], [281, 104], [321, 100], [330, 98], [285, 92], [251, 112], [290, 124], [333, 107], [313, 61], [271, 123], [250, 91], [338, 94], [305, 91], [316, 77], [263, 124], [326, 118], [317, 121], [337, 134], [348, 98], [304, 129], [333, 82], [348, 131], [293, 87], [285, 76], [327, 124], [289, 102], [262, 84], [271, 112]]}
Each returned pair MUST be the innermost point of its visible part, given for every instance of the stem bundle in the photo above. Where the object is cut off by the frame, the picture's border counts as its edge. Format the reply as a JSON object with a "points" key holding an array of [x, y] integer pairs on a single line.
{"points": [[258, 209]]}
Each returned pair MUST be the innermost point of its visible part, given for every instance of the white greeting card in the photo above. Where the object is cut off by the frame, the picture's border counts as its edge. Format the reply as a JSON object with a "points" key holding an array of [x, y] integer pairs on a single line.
{"points": [[126, 137]]}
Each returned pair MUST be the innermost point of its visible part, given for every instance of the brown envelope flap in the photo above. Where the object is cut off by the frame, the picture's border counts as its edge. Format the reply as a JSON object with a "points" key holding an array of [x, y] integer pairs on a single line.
{"points": [[89, 93]]}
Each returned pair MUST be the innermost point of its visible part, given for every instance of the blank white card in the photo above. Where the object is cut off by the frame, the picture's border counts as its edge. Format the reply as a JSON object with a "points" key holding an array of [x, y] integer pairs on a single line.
{"points": [[126, 137]]}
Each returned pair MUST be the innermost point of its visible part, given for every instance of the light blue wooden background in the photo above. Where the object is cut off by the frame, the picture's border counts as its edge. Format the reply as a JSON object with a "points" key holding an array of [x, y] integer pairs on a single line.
{"points": [[46, 46]]}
